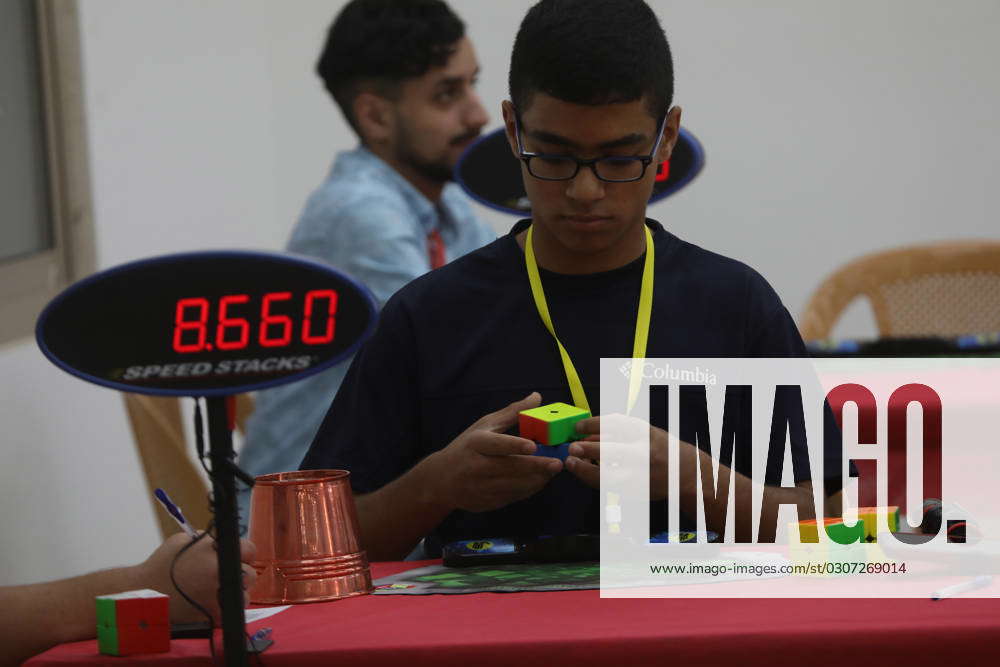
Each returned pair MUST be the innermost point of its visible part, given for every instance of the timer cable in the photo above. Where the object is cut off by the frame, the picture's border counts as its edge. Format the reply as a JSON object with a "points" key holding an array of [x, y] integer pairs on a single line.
{"points": [[191, 601], [199, 447], [199, 433], [199, 441]]}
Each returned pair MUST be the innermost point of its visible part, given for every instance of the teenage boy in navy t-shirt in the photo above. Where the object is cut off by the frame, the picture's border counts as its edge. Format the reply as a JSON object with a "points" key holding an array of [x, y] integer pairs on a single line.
{"points": [[421, 419]]}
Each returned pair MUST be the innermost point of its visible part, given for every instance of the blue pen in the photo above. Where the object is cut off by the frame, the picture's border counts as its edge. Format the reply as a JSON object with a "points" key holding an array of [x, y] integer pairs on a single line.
{"points": [[175, 512]]}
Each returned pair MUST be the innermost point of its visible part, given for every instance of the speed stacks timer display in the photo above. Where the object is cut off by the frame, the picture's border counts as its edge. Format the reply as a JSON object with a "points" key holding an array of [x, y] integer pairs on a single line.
{"points": [[206, 323]]}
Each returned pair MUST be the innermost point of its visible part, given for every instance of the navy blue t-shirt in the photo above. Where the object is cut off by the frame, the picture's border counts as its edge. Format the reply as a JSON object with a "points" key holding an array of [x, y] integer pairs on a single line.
{"points": [[466, 340]]}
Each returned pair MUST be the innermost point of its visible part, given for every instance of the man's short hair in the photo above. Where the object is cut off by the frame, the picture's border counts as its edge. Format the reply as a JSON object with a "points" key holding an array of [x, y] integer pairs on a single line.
{"points": [[592, 52], [376, 44]]}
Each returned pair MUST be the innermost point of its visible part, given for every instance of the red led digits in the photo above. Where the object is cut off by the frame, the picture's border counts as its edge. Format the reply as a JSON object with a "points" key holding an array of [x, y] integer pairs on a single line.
{"points": [[181, 325], [311, 297], [226, 322], [267, 320], [233, 333], [663, 173]]}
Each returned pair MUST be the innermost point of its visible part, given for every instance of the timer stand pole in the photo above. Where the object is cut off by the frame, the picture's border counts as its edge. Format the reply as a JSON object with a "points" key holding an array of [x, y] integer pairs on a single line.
{"points": [[227, 532]]}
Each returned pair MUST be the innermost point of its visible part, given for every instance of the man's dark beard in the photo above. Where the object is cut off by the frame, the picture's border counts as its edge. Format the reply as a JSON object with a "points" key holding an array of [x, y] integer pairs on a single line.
{"points": [[437, 172]]}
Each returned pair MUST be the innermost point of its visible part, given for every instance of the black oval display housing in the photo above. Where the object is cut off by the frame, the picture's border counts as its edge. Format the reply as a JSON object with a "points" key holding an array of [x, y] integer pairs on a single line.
{"points": [[206, 323]]}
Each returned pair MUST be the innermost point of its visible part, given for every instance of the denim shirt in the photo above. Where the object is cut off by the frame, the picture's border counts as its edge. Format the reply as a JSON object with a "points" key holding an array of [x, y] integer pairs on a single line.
{"points": [[372, 224]]}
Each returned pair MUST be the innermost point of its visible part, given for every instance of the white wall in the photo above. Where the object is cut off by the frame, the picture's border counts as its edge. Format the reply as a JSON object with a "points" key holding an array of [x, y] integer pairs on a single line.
{"points": [[831, 129]]}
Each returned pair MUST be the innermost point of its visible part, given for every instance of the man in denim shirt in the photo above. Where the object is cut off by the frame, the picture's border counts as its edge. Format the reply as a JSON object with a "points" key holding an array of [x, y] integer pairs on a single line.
{"points": [[403, 73]]}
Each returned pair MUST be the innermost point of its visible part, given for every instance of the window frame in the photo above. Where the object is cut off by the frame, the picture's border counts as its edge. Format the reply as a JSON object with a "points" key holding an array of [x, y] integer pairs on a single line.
{"points": [[28, 283]]}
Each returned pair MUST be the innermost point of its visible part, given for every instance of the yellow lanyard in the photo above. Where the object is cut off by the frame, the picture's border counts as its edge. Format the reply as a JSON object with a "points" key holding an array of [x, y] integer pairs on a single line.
{"points": [[641, 324]]}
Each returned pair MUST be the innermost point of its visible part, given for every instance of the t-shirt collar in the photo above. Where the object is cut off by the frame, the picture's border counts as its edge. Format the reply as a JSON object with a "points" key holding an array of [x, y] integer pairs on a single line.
{"points": [[523, 224]]}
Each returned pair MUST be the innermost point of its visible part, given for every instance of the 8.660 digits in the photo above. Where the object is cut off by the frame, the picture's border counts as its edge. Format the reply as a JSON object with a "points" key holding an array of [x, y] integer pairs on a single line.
{"points": [[193, 333]]}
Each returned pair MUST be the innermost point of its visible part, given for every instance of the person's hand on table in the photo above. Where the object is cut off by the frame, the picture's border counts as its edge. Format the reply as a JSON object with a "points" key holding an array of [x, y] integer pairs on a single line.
{"points": [[585, 454], [48, 613], [485, 469], [196, 572]]}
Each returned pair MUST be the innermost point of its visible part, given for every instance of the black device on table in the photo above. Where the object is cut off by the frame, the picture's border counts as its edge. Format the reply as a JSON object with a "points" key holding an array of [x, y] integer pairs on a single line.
{"points": [[558, 548], [504, 551]]}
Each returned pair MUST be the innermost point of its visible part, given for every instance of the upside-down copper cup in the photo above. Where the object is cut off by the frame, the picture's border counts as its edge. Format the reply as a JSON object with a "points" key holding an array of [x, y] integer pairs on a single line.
{"points": [[305, 527]]}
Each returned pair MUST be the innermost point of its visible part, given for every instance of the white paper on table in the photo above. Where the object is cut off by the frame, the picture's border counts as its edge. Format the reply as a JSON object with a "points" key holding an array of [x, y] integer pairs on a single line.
{"points": [[253, 615]]}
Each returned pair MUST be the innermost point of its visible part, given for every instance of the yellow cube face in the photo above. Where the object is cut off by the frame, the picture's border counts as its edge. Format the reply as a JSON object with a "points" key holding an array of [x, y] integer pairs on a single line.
{"points": [[554, 412]]}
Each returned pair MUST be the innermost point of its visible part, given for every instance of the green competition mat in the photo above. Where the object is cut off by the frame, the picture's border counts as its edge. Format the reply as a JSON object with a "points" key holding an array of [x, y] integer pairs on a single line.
{"points": [[492, 579], [521, 577]]}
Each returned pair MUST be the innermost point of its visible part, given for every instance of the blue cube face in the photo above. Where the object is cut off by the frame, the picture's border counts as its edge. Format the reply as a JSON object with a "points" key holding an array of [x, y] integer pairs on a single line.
{"points": [[556, 452]]}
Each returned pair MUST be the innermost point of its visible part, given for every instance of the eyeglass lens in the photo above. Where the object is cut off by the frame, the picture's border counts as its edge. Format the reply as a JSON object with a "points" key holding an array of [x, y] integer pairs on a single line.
{"points": [[608, 169]]}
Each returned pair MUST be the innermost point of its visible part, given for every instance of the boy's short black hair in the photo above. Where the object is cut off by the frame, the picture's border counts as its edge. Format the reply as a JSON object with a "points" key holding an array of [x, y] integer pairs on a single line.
{"points": [[592, 52], [379, 43]]}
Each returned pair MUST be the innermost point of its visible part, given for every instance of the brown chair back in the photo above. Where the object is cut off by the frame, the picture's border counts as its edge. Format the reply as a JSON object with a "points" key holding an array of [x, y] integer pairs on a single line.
{"points": [[939, 289]]}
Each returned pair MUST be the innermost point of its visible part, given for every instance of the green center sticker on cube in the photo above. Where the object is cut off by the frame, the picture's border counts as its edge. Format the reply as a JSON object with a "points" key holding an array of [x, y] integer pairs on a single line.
{"points": [[552, 424]]}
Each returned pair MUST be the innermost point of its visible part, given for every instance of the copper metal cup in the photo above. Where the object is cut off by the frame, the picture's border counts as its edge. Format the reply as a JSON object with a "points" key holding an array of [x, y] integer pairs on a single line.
{"points": [[305, 527]]}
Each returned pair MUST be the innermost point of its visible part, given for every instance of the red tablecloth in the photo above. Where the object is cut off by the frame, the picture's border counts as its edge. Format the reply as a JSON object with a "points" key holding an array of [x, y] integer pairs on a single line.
{"points": [[579, 628]]}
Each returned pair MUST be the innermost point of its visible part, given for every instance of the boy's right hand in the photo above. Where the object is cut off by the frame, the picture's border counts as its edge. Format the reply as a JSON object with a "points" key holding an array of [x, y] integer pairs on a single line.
{"points": [[484, 469]]}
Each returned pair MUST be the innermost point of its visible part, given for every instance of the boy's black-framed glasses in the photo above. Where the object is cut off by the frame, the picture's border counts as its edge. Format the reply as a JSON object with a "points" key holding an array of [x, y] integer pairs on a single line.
{"points": [[611, 169]]}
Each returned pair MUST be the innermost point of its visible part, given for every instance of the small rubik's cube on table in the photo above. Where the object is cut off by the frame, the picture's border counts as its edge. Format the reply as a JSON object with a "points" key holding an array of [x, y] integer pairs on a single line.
{"points": [[836, 529], [133, 622], [869, 517], [552, 427], [858, 543], [807, 548]]}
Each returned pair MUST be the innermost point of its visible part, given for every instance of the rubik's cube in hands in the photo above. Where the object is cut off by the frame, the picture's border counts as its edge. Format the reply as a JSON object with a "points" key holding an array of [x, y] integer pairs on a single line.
{"points": [[552, 427]]}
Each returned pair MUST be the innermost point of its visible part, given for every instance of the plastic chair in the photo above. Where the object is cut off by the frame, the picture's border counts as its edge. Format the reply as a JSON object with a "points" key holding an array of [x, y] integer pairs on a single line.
{"points": [[166, 457], [943, 289]]}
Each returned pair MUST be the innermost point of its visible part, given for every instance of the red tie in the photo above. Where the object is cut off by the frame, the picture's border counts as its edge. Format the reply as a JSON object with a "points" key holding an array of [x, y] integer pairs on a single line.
{"points": [[435, 249]]}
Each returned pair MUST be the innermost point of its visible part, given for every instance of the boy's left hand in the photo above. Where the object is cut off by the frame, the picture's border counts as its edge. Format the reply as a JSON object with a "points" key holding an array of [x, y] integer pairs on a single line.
{"points": [[584, 454]]}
